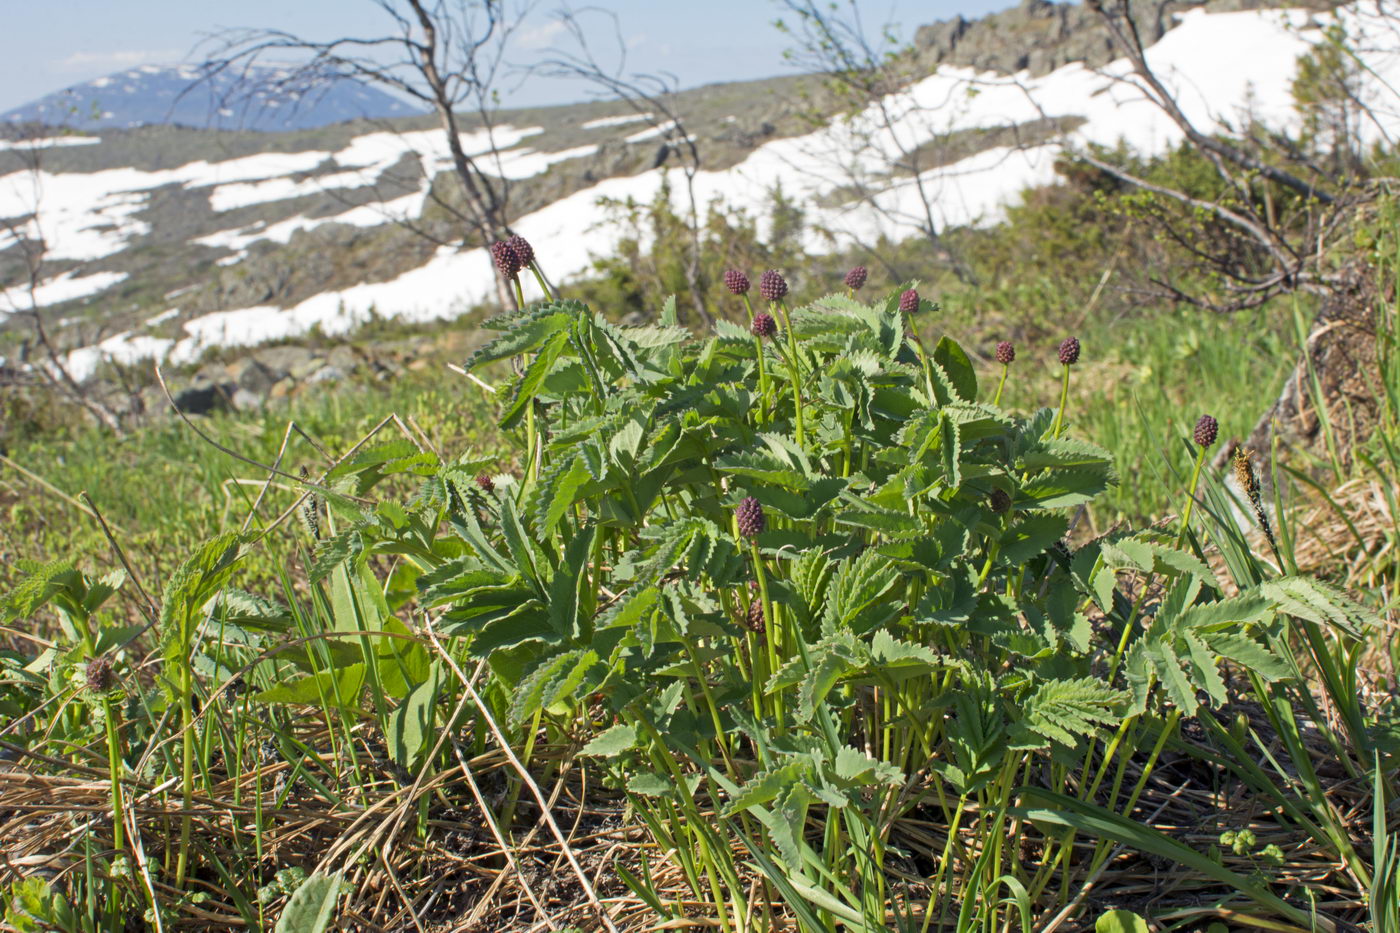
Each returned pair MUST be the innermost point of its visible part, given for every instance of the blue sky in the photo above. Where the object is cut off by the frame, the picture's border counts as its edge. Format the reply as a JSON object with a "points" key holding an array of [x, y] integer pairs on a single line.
{"points": [[51, 44]]}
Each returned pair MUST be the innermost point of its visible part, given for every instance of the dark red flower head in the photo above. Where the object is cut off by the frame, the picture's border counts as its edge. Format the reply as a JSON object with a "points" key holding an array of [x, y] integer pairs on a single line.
{"points": [[763, 325], [909, 302], [749, 516], [506, 258], [1069, 351], [1206, 430], [772, 286], [486, 483], [523, 250], [736, 281], [1006, 352], [856, 277], [999, 500], [754, 617], [100, 678]]}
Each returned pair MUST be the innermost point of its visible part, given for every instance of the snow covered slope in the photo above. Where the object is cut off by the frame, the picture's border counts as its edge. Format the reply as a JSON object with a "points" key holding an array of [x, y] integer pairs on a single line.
{"points": [[151, 94], [1226, 68]]}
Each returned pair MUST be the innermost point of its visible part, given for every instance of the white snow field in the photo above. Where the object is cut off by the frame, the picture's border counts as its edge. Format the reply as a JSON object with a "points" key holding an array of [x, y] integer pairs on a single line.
{"points": [[1225, 67]]}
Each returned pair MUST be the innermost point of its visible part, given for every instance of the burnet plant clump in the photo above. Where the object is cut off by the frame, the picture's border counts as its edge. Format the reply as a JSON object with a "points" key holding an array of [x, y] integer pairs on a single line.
{"points": [[786, 596], [801, 532]]}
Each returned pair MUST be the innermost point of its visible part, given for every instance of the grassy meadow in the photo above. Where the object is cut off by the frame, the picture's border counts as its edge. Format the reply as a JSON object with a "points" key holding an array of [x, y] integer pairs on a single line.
{"points": [[819, 618]]}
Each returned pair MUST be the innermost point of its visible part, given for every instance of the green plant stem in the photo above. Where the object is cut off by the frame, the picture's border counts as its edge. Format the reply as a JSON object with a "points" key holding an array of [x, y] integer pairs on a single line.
{"points": [[519, 292], [796, 371], [1191, 496], [186, 764], [770, 627], [923, 361], [1001, 383], [1064, 400], [762, 380], [114, 768], [539, 277]]}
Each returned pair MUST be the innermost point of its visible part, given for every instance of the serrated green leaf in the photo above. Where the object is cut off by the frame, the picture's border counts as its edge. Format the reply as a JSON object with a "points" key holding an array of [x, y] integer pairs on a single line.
{"points": [[611, 743]]}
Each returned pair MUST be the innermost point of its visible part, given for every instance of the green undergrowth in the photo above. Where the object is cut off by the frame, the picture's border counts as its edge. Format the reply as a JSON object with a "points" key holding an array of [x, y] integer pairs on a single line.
{"points": [[162, 487]]}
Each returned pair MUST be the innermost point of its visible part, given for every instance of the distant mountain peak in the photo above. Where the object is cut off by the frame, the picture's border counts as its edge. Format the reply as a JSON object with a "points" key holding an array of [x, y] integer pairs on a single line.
{"points": [[149, 95]]}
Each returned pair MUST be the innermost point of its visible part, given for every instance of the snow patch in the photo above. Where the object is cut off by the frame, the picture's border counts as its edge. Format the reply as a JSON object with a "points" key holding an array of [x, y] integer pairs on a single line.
{"points": [[51, 142], [65, 287], [621, 120]]}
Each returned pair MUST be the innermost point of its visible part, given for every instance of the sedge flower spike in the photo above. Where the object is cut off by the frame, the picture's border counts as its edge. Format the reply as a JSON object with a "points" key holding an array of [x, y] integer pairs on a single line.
{"points": [[855, 279], [736, 281], [1069, 351], [909, 302], [772, 286], [1207, 429], [763, 325], [749, 517], [1006, 352]]}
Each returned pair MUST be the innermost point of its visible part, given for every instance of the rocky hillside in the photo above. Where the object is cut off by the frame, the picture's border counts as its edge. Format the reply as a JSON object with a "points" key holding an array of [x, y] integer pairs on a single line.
{"points": [[171, 242]]}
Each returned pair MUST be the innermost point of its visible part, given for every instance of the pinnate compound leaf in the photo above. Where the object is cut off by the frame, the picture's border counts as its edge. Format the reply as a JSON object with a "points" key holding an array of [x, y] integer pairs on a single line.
{"points": [[550, 682], [41, 584], [1062, 710], [525, 336], [529, 383], [1059, 489], [1031, 536], [857, 769], [1248, 653], [611, 743], [764, 787], [558, 490], [1319, 603]]}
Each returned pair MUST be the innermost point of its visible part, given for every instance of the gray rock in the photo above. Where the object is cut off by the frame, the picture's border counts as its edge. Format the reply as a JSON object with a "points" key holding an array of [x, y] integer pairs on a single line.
{"points": [[325, 374], [204, 398], [286, 361], [251, 375], [247, 400]]}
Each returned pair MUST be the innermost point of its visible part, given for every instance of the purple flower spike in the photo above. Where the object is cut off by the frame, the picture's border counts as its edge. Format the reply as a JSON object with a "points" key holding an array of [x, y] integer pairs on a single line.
{"points": [[1206, 431], [1006, 352], [523, 250], [1069, 351], [856, 278], [909, 302], [749, 516], [763, 325], [736, 281], [772, 286], [506, 258]]}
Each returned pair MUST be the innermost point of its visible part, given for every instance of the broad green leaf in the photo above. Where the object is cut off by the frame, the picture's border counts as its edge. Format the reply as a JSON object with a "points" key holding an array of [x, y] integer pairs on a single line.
{"points": [[411, 725], [339, 686], [1120, 921], [311, 907], [953, 360]]}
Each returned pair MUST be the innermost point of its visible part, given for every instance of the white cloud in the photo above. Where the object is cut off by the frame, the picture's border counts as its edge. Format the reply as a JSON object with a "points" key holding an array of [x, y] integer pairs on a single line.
{"points": [[114, 60], [541, 36]]}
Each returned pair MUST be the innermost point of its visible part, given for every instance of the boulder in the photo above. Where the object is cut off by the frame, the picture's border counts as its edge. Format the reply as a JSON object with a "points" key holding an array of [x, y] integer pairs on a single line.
{"points": [[203, 398]]}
